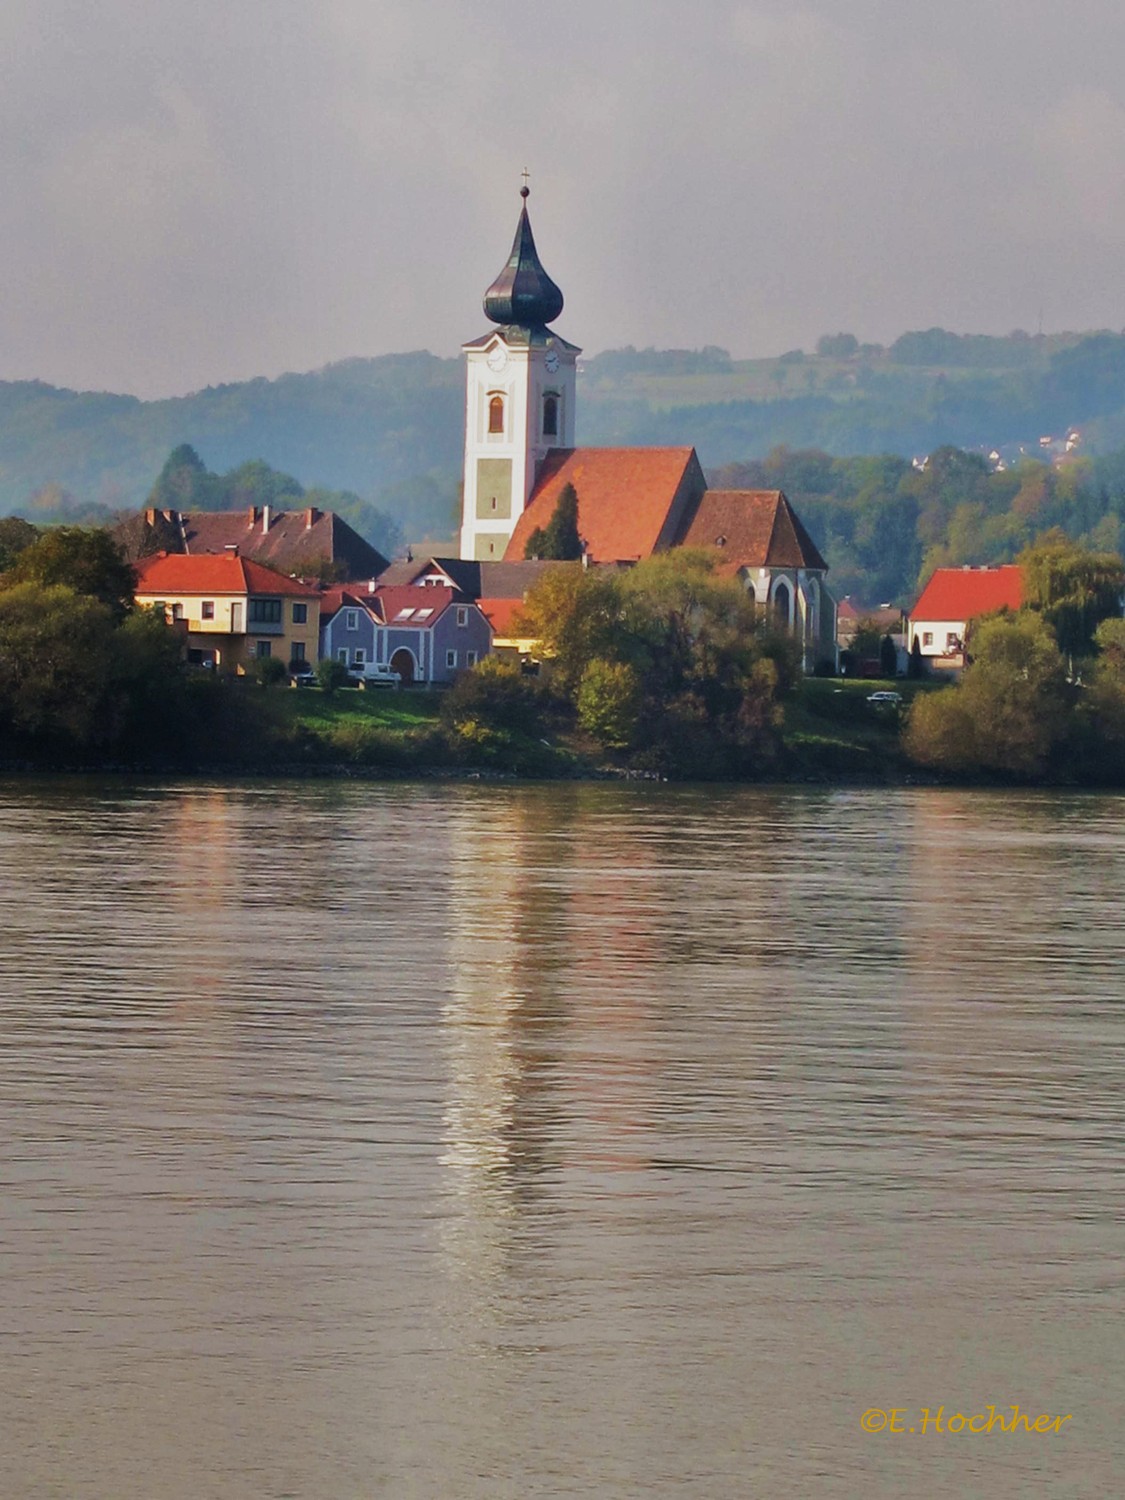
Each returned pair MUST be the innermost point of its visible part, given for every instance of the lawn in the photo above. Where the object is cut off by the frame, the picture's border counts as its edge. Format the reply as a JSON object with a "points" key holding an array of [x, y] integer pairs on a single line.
{"points": [[830, 726], [380, 707]]}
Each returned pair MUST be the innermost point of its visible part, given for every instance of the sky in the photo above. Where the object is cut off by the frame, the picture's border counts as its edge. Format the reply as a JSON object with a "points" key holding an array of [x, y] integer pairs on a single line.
{"points": [[193, 193]]}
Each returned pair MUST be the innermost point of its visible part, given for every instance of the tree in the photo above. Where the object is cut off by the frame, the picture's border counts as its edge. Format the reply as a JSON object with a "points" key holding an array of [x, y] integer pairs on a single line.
{"points": [[16, 535], [330, 675], [837, 345], [1073, 589], [57, 648], [559, 539], [1010, 712], [85, 559], [269, 671], [184, 483], [888, 657], [609, 701]]}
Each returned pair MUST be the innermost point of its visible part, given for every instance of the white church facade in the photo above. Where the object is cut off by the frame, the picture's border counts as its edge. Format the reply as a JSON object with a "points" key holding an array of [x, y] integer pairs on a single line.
{"points": [[520, 454]]}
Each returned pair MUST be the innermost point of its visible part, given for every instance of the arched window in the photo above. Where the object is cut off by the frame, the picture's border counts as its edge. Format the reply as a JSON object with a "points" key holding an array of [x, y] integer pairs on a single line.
{"points": [[496, 414], [550, 416], [783, 604]]}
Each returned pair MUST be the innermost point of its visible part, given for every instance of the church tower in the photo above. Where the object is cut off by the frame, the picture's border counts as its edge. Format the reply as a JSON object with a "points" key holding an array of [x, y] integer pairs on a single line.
{"points": [[519, 398]]}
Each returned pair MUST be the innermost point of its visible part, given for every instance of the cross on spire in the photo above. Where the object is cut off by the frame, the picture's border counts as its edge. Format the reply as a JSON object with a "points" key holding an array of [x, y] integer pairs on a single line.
{"points": [[525, 190]]}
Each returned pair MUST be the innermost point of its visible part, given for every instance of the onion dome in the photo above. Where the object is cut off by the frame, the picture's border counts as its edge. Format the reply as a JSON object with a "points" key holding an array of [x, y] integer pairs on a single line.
{"points": [[523, 293]]}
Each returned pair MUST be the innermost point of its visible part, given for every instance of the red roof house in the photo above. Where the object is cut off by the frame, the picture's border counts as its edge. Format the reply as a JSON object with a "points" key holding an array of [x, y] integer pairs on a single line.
{"points": [[951, 599]]}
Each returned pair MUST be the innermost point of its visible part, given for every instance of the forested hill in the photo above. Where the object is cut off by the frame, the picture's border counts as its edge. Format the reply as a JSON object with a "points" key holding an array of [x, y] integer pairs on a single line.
{"points": [[390, 429], [372, 426]]}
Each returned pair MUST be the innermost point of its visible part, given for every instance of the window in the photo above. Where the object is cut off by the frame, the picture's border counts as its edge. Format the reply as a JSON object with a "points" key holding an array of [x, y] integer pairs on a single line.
{"points": [[207, 609], [470, 658], [927, 637], [496, 414], [451, 658], [423, 614], [462, 615], [262, 649], [359, 656], [342, 654], [265, 612], [297, 651], [177, 611], [351, 620], [300, 614], [952, 641], [404, 614], [550, 416]]}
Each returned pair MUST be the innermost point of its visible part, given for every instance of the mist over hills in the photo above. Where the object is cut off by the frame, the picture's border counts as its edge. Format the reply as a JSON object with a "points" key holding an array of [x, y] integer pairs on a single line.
{"points": [[389, 429]]}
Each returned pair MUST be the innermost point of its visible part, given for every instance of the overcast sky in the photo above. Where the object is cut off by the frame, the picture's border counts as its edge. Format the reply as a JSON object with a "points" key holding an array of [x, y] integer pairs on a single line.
{"points": [[194, 191]]}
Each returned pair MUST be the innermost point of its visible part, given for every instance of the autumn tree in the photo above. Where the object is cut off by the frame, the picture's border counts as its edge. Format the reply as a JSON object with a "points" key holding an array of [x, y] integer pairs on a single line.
{"points": [[1009, 714]]}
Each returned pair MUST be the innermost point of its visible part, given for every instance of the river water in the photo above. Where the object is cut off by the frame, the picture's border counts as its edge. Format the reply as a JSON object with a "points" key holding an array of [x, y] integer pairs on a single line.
{"points": [[584, 1141]]}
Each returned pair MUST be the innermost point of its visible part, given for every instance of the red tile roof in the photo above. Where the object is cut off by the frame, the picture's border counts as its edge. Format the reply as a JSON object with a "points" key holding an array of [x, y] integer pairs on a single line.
{"points": [[630, 500], [752, 529], [390, 602], [500, 613], [964, 593], [214, 573]]}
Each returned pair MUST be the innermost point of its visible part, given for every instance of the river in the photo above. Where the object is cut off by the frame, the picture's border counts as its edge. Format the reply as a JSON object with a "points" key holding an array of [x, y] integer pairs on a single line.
{"points": [[464, 1141]]}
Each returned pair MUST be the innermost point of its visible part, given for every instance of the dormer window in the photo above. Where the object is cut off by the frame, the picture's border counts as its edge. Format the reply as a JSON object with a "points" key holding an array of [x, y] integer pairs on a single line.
{"points": [[550, 416], [496, 414]]}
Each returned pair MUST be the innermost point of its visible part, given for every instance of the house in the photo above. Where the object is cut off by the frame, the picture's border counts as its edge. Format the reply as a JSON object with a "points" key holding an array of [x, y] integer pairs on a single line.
{"points": [[427, 633], [521, 456], [952, 598], [307, 543], [233, 610]]}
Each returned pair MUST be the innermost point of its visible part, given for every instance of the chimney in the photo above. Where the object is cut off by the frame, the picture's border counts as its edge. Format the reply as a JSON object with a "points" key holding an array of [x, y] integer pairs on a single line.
{"points": [[265, 520], [252, 516], [150, 517], [231, 549], [311, 517], [371, 585]]}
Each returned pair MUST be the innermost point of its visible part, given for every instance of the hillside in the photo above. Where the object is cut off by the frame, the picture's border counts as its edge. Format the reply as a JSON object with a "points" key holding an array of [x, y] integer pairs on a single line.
{"points": [[389, 430]]}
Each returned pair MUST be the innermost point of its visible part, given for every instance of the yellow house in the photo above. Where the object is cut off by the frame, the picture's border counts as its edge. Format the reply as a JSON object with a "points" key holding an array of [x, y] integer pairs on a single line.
{"points": [[234, 610]]}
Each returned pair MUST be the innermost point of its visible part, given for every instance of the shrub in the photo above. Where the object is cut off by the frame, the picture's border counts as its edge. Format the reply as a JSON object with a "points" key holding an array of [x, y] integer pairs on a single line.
{"points": [[331, 674]]}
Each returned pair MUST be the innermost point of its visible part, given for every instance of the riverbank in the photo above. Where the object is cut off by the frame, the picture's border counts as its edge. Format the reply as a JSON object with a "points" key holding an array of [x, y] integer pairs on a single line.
{"points": [[832, 733]]}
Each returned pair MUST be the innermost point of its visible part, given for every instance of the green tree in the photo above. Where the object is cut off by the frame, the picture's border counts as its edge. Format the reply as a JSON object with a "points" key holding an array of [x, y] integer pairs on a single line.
{"points": [[16, 535], [57, 647], [1010, 712], [1073, 589], [559, 539], [85, 559], [609, 701], [888, 657], [330, 675]]}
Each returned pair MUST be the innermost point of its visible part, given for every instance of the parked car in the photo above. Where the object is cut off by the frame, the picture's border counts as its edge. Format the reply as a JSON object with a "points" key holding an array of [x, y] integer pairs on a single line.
{"points": [[302, 676], [373, 676], [885, 699]]}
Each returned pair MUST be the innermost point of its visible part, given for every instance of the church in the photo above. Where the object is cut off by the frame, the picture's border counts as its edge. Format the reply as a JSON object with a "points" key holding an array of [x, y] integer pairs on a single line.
{"points": [[520, 454]]}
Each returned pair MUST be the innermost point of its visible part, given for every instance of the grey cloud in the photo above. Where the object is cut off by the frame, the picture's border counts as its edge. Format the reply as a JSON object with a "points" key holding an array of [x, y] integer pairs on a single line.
{"points": [[206, 192]]}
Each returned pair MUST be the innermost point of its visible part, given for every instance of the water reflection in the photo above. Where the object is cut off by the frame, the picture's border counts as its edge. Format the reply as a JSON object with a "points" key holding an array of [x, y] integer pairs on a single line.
{"points": [[567, 1140]]}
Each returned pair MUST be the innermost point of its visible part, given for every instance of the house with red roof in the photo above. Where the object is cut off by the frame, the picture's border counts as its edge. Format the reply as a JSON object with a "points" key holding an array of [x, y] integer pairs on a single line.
{"points": [[423, 633], [232, 609], [521, 457], [951, 600]]}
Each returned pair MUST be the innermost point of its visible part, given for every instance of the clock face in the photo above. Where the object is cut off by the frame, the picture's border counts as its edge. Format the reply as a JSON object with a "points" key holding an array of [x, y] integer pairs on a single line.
{"points": [[552, 361], [497, 358]]}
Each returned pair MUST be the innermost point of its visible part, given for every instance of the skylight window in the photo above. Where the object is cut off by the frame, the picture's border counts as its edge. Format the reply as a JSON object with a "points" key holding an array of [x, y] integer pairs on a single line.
{"points": [[423, 614], [404, 614]]}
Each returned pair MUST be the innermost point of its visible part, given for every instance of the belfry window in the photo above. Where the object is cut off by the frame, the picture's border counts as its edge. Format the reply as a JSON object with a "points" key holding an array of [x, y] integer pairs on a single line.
{"points": [[550, 416], [496, 414]]}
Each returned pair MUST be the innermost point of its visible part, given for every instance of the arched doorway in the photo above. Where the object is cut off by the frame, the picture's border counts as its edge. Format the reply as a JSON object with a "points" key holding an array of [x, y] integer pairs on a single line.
{"points": [[402, 662]]}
